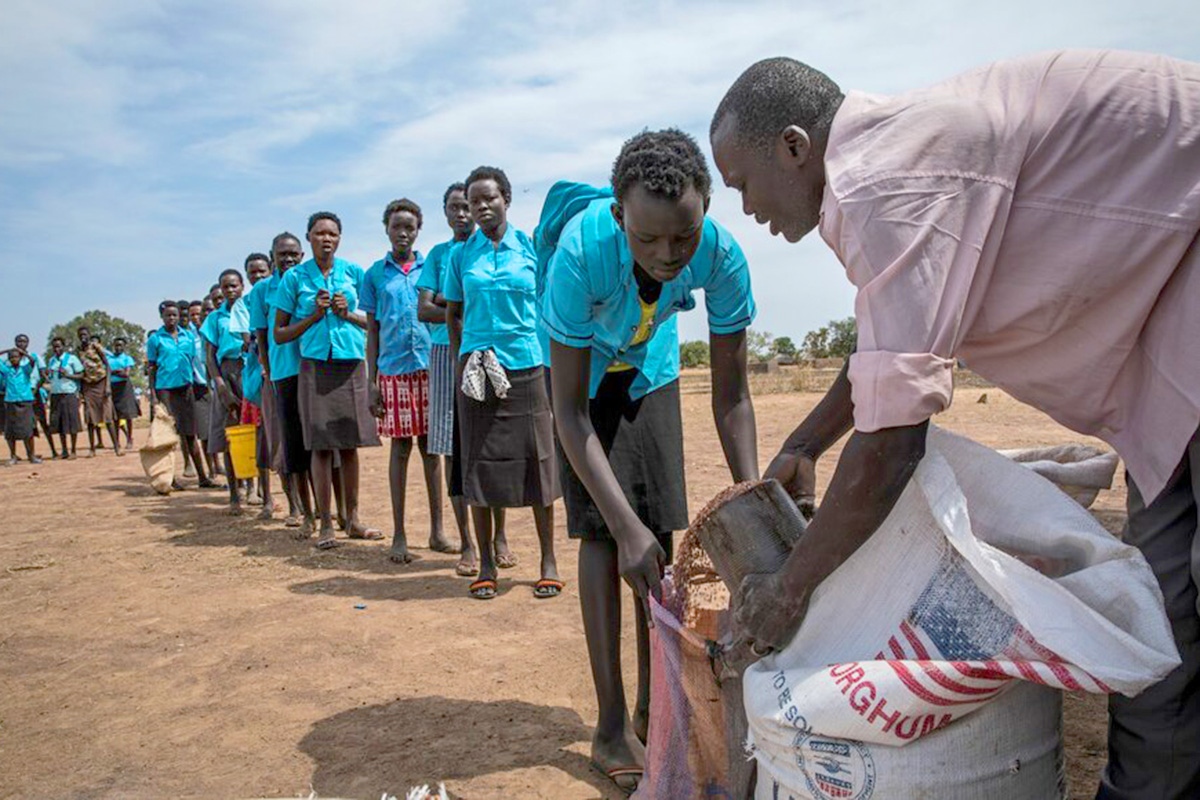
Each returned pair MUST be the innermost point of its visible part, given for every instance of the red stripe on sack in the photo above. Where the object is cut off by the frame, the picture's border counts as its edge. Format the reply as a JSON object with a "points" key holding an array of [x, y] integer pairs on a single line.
{"points": [[917, 646], [968, 669], [1028, 672], [920, 691], [897, 650], [946, 682]]}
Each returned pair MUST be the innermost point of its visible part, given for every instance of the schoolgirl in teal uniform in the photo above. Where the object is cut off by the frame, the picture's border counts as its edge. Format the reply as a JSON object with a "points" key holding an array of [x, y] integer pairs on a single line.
{"points": [[223, 351], [65, 371], [506, 428], [317, 303], [622, 263]]}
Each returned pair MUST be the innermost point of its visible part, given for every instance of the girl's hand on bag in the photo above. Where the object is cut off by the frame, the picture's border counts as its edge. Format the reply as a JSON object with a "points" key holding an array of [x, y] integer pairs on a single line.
{"points": [[767, 613]]}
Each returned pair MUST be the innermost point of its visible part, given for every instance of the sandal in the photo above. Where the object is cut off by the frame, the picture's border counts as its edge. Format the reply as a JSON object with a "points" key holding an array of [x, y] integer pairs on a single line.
{"points": [[466, 570], [327, 544], [547, 588], [617, 773], [483, 590], [367, 534]]}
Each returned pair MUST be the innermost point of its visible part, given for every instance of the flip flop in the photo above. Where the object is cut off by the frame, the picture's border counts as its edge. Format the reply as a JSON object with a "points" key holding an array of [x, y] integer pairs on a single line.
{"points": [[466, 570], [507, 561], [617, 773], [327, 544], [483, 590], [367, 534], [547, 588]]}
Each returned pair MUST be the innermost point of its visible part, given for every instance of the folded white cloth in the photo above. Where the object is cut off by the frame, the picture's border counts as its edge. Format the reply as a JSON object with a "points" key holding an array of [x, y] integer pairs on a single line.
{"points": [[482, 366]]}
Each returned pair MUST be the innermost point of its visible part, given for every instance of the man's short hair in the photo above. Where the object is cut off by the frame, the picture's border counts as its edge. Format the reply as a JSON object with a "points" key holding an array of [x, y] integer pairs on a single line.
{"points": [[775, 93]]}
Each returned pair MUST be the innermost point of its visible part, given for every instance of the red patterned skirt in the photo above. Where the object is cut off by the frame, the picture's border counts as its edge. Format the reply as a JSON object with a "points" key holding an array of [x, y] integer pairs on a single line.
{"points": [[406, 404]]}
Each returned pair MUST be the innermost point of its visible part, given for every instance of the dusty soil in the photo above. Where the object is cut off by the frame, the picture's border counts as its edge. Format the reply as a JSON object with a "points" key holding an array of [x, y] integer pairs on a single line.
{"points": [[154, 647]]}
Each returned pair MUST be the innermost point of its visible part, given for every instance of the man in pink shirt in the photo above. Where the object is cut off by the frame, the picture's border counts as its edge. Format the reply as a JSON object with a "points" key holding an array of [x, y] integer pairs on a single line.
{"points": [[1038, 219]]}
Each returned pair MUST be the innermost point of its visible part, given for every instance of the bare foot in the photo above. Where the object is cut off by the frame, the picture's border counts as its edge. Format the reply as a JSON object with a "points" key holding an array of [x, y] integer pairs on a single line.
{"points": [[359, 531], [439, 544], [235, 509], [505, 559], [291, 521], [305, 531], [467, 567]]}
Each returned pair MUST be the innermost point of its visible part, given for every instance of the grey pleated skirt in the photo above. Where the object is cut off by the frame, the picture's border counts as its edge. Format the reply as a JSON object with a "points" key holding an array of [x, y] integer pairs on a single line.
{"points": [[335, 411]]}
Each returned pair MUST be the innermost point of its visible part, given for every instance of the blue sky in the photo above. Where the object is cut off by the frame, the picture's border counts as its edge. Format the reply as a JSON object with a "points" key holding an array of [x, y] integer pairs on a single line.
{"points": [[145, 146]]}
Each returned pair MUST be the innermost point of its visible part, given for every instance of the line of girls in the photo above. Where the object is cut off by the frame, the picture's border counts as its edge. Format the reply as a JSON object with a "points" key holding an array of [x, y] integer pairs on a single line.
{"points": [[62, 391], [582, 312]]}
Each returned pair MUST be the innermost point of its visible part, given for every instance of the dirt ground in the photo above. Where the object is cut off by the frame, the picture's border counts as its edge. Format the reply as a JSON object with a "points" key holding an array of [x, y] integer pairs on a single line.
{"points": [[153, 647]]}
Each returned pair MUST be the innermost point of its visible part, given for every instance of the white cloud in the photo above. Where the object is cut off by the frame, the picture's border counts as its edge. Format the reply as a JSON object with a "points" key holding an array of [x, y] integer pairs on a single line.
{"points": [[144, 145]]}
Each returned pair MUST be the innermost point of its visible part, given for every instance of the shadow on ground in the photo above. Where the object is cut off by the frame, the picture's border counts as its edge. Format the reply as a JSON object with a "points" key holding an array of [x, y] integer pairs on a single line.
{"points": [[415, 587], [366, 751], [197, 518]]}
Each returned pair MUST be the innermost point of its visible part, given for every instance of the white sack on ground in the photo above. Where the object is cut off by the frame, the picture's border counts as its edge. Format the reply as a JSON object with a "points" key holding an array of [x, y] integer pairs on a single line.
{"points": [[938, 615]]}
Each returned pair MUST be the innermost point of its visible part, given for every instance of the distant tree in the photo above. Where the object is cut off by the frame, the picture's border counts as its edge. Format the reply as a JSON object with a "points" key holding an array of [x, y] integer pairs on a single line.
{"points": [[693, 354], [835, 340], [843, 335], [784, 347], [758, 345], [107, 328]]}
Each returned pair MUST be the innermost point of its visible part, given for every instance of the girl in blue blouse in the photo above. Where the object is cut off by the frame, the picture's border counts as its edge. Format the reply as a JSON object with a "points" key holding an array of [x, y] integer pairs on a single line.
{"points": [[506, 429]]}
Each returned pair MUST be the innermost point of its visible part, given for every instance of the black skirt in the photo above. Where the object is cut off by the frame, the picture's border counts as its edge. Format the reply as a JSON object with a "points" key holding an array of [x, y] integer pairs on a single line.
{"points": [[221, 417], [64, 414], [202, 407], [643, 440], [334, 403], [296, 457], [182, 407], [507, 446], [125, 403], [18, 421]]}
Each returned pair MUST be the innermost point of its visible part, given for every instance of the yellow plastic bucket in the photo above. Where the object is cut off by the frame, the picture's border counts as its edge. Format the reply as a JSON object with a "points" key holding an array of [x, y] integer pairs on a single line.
{"points": [[243, 451]]}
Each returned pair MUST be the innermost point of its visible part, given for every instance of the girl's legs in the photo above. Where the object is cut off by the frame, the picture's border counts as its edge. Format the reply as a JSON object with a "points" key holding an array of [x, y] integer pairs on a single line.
{"points": [[481, 516], [543, 520], [466, 564], [323, 478], [615, 742], [354, 527], [433, 490]]}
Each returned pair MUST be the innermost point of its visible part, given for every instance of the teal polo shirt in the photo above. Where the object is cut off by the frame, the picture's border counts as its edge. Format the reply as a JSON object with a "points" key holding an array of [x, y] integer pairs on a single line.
{"points": [[431, 281], [68, 364], [284, 359], [19, 380], [331, 337], [123, 361], [499, 284], [216, 332], [173, 358], [591, 296]]}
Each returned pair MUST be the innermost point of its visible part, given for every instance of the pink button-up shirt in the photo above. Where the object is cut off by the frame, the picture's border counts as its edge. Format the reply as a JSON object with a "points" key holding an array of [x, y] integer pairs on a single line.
{"points": [[1038, 219]]}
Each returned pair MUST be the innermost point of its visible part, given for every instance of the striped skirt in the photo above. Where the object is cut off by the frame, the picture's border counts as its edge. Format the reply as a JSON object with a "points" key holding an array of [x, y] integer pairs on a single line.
{"points": [[441, 401]]}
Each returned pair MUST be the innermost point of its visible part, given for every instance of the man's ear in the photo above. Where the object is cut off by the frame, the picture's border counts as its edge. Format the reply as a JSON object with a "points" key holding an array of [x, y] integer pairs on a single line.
{"points": [[618, 214], [794, 145]]}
